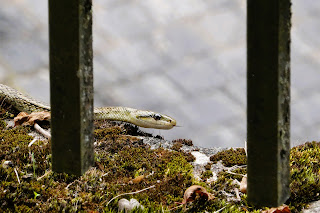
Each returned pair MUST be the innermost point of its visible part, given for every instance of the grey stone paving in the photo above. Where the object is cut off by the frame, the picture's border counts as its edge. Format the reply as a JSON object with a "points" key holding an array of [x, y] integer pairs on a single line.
{"points": [[186, 60]]}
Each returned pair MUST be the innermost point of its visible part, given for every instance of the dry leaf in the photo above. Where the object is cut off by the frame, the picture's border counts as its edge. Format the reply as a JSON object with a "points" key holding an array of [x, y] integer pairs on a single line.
{"points": [[280, 209], [243, 185], [100, 166], [195, 191], [25, 119], [137, 179]]}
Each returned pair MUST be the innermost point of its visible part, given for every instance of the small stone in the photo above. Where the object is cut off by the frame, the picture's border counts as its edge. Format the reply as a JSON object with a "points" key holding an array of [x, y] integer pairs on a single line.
{"points": [[128, 206], [27, 177], [6, 164], [243, 185]]}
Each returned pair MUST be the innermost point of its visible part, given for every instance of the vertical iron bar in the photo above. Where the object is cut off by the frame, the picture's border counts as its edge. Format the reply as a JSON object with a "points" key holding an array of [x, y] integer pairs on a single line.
{"points": [[268, 101], [71, 85]]}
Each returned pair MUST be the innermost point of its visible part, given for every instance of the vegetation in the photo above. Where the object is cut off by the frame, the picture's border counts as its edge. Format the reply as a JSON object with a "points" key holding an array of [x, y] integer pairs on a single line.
{"points": [[124, 164]]}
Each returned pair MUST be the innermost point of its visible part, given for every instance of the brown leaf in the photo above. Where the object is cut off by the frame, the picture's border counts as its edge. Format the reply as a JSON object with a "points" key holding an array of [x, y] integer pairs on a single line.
{"points": [[194, 192], [138, 179], [25, 119], [243, 185], [99, 165], [280, 209]]}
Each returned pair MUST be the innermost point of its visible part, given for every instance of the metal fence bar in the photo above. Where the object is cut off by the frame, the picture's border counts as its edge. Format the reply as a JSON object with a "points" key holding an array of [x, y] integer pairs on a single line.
{"points": [[71, 85], [268, 101]]}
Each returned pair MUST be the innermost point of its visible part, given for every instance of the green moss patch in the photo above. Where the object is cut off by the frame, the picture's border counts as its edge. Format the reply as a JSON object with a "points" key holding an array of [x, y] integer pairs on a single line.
{"points": [[230, 157], [305, 174], [124, 164], [119, 160]]}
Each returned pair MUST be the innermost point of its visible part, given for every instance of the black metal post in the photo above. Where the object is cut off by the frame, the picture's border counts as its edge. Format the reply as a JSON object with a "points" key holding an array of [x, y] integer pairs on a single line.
{"points": [[71, 85], [268, 101]]}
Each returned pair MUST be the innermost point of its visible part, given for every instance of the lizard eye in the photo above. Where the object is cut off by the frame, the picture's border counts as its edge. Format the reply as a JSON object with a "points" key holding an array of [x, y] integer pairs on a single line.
{"points": [[157, 117]]}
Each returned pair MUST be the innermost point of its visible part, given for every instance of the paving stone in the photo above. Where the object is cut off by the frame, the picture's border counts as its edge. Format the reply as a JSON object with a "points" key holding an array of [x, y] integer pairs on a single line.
{"points": [[185, 60], [158, 90], [300, 135], [208, 110], [24, 55], [228, 34], [166, 11], [182, 42], [24, 51], [223, 5], [308, 109], [218, 136], [196, 76], [131, 59], [3, 75], [108, 4], [11, 15], [239, 127], [128, 20], [304, 74], [104, 74], [37, 85], [233, 61], [236, 90], [308, 133], [37, 9], [307, 26]]}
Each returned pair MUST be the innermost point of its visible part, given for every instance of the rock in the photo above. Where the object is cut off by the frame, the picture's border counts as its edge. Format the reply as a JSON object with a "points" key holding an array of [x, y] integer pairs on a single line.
{"points": [[127, 206]]}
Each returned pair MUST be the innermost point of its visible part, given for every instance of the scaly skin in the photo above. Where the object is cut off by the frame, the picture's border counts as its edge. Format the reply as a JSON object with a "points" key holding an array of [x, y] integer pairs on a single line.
{"points": [[143, 118]]}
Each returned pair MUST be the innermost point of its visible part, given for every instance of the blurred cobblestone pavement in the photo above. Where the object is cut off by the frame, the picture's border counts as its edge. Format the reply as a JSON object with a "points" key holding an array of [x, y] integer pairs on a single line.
{"points": [[185, 60]]}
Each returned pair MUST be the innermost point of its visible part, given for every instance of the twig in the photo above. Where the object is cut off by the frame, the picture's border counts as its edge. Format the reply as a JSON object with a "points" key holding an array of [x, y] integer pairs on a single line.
{"points": [[72, 183], [32, 142], [45, 174], [15, 171], [235, 173], [176, 207], [220, 209], [236, 191], [42, 131], [130, 193], [105, 174], [236, 167]]}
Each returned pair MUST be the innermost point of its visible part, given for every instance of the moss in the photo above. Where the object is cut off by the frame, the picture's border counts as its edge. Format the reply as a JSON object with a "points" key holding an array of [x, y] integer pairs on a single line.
{"points": [[305, 175], [208, 166], [206, 174], [224, 183], [187, 142], [189, 157], [230, 157], [107, 133], [2, 124], [176, 146], [119, 159]]}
